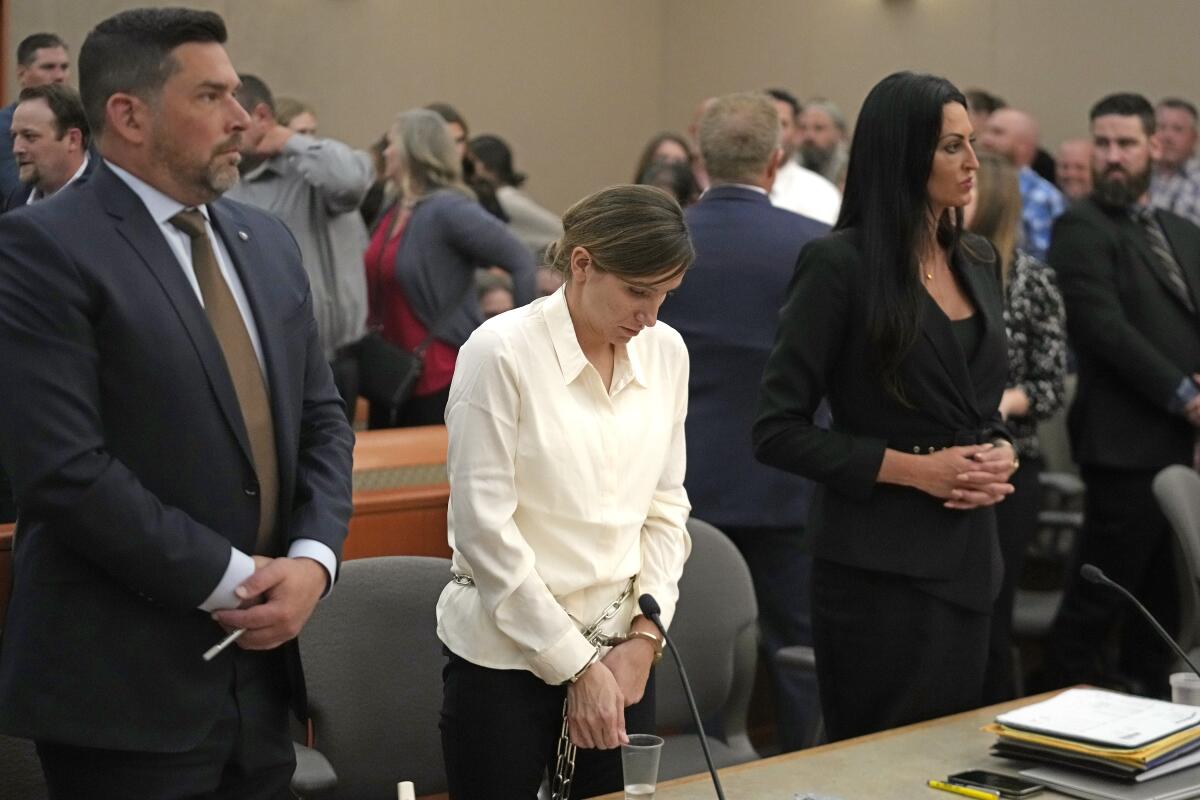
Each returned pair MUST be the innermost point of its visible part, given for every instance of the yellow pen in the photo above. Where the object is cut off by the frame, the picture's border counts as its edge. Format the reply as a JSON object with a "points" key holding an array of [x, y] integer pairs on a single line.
{"points": [[965, 791]]}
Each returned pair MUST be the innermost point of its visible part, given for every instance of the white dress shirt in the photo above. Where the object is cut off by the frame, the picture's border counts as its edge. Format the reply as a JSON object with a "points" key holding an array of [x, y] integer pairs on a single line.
{"points": [[805, 192], [35, 194], [560, 490], [161, 209]]}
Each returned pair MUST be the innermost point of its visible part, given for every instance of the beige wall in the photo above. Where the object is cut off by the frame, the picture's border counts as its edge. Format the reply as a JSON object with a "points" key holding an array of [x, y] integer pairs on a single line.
{"points": [[1053, 58], [574, 86], [577, 86]]}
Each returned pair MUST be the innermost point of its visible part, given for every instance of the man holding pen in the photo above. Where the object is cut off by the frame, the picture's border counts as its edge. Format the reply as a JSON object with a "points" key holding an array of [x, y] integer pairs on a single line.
{"points": [[178, 451]]}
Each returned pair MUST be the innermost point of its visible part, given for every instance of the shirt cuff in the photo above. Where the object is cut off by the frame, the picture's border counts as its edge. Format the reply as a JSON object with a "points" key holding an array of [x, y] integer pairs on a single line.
{"points": [[320, 553], [559, 662], [240, 567], [298, 143], [1185, 393]]}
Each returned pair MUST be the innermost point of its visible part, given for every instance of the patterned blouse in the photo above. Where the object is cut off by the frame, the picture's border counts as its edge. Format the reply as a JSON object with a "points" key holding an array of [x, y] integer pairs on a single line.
{"points": [[1037, 346]]}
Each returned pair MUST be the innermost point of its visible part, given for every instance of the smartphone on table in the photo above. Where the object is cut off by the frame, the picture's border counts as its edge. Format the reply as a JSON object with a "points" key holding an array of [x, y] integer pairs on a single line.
{"points": [[1007, 785]]}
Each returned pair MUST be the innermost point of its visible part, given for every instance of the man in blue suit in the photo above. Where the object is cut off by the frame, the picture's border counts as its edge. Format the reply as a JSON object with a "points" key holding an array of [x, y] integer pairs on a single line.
{"points": [[727, 310], [179, 455]]}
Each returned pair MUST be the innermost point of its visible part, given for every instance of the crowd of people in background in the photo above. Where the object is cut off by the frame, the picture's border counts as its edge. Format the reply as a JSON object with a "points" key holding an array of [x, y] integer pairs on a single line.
{"points": [[1038, 265]]}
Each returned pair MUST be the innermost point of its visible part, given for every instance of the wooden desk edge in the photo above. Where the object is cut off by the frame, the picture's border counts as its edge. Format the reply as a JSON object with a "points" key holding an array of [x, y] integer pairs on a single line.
{"points": [[999, 708]]}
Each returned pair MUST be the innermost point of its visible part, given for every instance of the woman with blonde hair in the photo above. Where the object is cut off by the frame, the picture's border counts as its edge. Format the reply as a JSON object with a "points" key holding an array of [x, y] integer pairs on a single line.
{"points": [[422, 259], [566, 465], [296, 114], [1037, 364]]}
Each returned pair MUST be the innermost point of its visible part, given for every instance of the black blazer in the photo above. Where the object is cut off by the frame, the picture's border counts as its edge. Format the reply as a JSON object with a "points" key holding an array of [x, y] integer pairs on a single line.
{"points": [[1134, 339], [823, 350], [131, 466], [727, 310]]}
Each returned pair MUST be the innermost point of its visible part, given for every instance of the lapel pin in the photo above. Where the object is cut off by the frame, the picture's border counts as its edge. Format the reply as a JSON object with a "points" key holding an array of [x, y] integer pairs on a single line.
{"points": [[245, 237]]}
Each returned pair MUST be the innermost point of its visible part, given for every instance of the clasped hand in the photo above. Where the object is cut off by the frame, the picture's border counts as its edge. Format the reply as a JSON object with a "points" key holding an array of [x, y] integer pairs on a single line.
{"points": [[596, 702], [276, 601], [971, 476]]}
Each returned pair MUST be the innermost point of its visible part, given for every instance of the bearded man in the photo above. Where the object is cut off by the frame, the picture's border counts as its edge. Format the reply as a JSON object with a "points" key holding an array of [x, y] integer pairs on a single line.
{"points": [[1130, 277], [179, 454]]}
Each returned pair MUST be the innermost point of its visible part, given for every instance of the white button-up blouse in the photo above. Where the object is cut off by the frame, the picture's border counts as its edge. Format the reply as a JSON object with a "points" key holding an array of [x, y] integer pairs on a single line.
{"points": [[560, 490]]}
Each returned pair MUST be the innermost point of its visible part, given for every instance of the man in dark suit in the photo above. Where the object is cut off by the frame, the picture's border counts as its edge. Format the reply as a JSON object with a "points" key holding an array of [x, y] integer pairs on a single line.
{"points": [[41, 59], [1130, 277], [178, 451], [50, 139], [727, 311]]}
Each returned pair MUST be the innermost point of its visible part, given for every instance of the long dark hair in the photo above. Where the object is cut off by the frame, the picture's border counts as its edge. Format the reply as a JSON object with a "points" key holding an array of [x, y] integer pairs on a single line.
{"points": [[651, 147], [887, 203]]}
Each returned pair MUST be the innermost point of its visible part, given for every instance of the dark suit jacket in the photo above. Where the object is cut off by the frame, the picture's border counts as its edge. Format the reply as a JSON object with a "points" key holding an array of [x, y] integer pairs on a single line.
{"points": [[18, 197], [823, 349], [132, 468], [9, 174], [727, 310], [8, 509], [1133, 338]]}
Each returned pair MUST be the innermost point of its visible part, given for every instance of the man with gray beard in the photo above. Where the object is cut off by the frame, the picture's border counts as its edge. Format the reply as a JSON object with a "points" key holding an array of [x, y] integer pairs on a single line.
{"points": [[824, 140], [1130, 277]]}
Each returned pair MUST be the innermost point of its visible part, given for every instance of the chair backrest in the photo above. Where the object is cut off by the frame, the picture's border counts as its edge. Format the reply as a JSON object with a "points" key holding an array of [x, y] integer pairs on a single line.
{"points": [[1177, 489], [715, 629], [373, 664], [20, 770]]}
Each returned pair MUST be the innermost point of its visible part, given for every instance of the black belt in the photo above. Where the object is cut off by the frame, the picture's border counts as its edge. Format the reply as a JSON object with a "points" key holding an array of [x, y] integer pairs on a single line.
{"points": [[932, 444]]}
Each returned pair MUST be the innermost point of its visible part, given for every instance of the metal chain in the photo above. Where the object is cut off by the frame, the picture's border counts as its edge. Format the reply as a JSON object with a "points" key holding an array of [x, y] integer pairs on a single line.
{"points": [[564, 767]]}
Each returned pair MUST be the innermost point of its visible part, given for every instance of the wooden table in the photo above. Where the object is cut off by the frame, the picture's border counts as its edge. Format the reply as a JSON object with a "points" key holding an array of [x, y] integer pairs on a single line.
{"points": [[892, 765]]}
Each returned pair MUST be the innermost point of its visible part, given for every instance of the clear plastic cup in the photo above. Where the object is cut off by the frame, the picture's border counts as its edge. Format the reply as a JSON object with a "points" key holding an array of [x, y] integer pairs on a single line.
{"points": [[639, 762], [1185, 688]]}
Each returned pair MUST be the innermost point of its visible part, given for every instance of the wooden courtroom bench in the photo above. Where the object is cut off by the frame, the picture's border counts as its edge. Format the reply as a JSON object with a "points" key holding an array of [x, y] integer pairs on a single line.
{"points": [[400, 494]]}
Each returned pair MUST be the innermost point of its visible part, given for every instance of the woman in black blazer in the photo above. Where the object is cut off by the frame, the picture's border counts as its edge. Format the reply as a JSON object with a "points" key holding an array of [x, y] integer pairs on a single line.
{"points": [[897, 318]]}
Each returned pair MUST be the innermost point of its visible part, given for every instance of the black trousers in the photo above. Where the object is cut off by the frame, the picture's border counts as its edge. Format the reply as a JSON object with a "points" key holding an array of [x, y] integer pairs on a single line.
{"points": [[248, 754], [1016, 522], [889, 654], [500, 730], [1126, 535]]}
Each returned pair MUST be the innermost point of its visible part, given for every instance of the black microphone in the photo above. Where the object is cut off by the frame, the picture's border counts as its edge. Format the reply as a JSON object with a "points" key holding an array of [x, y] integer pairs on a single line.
{"points": [[1093, 574], [651, 611]]}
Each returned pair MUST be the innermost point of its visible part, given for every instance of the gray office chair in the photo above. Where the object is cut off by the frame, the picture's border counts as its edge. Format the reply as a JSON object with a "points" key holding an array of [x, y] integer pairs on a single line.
{"points": [[1177, 490], [1059, 522], [373, 664], [20, 771], [716, 631]]}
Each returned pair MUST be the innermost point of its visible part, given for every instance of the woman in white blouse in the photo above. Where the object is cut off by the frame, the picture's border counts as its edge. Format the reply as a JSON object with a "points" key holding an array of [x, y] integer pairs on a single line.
{"points": [[566, 468]]}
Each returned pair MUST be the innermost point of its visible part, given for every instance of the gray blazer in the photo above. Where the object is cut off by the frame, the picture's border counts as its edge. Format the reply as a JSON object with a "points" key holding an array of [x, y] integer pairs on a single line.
{"points": [[448, 237]]}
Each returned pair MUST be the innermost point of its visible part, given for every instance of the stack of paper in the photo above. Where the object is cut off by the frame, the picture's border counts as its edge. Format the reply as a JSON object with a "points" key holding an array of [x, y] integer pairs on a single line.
{"points": [[1113, 734]]}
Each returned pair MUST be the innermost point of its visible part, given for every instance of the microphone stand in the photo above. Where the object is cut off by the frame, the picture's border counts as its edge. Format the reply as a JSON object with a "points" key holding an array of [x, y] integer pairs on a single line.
{"points": [[1094, 574], [651, 611]]}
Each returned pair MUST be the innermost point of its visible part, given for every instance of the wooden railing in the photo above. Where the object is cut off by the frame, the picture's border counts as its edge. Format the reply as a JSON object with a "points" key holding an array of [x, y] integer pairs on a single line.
{"points": [[400, 494]]}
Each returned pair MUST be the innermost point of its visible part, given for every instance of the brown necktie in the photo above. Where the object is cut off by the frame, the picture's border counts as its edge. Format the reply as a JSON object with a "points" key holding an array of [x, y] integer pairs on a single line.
{"points": [[230, 328]]}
